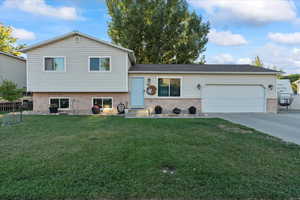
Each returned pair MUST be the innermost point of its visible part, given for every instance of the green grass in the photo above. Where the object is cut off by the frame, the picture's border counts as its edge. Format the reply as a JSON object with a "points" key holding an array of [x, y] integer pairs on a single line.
{"points": [[88, 157]]}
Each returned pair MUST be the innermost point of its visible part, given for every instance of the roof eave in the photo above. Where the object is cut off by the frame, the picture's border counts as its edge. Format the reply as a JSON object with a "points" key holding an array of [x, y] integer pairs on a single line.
{"points": [[46, 42], [13, 56], [196, 72]]}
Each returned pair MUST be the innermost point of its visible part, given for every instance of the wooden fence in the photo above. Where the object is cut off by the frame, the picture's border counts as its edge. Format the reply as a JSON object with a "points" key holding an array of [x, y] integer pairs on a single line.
{"points": [[15, 106]]}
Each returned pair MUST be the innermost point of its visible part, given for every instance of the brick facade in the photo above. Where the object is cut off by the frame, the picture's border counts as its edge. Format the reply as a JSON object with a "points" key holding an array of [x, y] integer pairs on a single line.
{"points": [[80, 103], [272, 106], [168, 104]]}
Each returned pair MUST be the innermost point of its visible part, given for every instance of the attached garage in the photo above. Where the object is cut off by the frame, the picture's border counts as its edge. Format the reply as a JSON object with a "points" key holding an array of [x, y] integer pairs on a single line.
{"points": [[208, 88], [234, 99]]}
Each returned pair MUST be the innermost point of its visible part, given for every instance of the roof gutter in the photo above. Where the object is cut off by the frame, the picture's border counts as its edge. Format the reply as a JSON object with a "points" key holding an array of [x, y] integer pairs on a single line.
{"points": [[195, 72], [13, 56]]}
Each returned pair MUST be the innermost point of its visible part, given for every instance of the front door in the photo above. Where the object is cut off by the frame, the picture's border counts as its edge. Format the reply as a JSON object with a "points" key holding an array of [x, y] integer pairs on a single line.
{"points": [[137, 92]]}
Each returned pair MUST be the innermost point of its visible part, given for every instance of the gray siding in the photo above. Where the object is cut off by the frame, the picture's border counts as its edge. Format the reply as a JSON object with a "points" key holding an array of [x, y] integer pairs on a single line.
{"points": [[77, 77], [13, 69]]}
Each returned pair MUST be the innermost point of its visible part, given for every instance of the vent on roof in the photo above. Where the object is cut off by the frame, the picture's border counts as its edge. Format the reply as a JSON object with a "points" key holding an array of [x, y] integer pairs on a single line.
{"points": [[77, 39]]}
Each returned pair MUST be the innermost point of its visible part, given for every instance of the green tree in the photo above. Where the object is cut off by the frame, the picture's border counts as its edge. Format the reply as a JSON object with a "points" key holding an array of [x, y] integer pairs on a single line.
{"points": [[258, 62], [9, 91], [8, 42], [159, 31]]}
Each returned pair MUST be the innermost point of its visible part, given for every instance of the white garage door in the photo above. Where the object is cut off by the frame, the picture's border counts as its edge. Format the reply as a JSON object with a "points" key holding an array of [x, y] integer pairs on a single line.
{"points": [[233, 99]]}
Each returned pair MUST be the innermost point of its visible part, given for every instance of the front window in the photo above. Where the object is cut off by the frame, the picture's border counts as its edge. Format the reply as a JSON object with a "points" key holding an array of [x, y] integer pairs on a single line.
{"points": [[99, 64], [61, 103], [103, 102], [169, 87], [54, 64]]}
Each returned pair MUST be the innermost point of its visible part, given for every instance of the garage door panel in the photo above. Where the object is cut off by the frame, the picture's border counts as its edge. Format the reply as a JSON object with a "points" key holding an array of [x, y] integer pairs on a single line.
{"points": [[224, 98]]}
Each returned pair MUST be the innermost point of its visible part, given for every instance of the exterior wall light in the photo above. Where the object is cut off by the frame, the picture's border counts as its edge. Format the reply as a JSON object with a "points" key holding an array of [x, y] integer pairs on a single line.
{"points": [[199, 87], [270, 87]]}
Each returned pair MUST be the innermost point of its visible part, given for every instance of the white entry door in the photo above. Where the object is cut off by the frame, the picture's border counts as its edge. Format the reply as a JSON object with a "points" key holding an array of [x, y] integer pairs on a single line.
{"points": [[137, 92], [233, 99]]}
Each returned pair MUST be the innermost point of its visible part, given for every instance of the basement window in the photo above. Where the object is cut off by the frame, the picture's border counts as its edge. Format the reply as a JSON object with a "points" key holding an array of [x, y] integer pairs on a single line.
{"points": [[103, 102], [63, 103]]}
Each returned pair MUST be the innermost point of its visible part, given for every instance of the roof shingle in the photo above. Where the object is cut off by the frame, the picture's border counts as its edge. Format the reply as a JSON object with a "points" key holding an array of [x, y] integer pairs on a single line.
{"points": [[181, 68]]}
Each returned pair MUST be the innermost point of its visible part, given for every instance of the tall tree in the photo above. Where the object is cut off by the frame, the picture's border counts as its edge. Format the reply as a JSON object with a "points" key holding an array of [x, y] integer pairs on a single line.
{"points": [[8, 42], [159, 31], [258, 62]]}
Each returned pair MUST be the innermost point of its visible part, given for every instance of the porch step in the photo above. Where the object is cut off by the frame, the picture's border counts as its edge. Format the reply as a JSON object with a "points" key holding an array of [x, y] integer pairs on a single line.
{"points": [[137, 113]]}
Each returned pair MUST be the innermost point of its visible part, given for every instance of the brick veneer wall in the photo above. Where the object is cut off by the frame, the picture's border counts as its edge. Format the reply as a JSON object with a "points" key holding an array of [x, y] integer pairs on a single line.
{"points": [[81, 103], [272, 105], [168, 104]]}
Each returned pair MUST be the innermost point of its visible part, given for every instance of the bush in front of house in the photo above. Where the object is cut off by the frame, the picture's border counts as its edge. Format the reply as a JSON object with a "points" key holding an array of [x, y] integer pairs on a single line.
{"points": [[192, 110], [53, 108], [96, 109], [176, 111], [158, 109]]}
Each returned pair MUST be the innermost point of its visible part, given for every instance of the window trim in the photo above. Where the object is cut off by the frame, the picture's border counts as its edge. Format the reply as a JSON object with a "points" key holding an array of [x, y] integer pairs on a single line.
{"points": [[169, 77], [112, 102], [59, 105], [89, 67], [65, 63]]}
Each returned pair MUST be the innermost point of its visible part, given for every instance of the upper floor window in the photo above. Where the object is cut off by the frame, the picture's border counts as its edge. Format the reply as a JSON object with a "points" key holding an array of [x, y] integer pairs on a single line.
{"points": [[169, 87], [54, 64], [99, 64]]}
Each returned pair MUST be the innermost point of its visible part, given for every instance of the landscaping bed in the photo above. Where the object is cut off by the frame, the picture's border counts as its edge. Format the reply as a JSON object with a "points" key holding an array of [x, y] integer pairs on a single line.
{"points": [[96, 157]]}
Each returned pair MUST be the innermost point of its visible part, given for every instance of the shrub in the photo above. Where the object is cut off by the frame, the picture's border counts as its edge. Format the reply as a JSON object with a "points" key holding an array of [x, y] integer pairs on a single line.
{"points": [[53, 108], [96, 109], [176, 111], [158, 109], [192, 110]]}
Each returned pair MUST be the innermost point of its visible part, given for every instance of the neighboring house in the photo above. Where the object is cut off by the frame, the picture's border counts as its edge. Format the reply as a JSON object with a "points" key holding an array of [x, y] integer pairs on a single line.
{"points": [[298, 86], [13, 68], [77, 71]]}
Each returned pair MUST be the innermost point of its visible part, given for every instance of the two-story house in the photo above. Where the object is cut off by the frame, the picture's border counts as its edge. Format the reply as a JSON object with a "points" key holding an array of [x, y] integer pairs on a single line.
{"points": [[76, 71]]}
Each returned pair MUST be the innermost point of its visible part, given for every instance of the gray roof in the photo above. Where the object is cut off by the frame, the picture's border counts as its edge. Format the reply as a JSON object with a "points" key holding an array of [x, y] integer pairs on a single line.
{"points": [[13, 56], [196, 68]]}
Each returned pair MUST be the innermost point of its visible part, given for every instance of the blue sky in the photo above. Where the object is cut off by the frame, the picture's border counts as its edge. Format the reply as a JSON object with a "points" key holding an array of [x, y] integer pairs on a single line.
{"points": [[240, 29]]}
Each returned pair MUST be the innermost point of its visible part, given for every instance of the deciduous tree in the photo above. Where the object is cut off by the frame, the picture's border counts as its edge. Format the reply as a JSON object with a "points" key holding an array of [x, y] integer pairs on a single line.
{"points": [[8, 42], [159, 31]]}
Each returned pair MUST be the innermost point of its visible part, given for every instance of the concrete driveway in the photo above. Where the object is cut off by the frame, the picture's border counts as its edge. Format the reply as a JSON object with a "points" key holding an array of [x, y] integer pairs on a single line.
{"points": [[284, 125]]}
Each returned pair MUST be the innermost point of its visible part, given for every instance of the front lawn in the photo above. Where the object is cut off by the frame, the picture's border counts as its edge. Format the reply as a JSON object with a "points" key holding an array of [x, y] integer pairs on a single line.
{"points": [[88, 157]]}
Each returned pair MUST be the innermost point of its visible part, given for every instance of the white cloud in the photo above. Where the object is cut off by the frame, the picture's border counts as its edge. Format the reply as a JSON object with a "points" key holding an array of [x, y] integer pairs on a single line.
{"points": [[282, 57], [222, 59], [41, 8], [285, 38], [226, 38], [249, 11], [226, 58], [23, 34], [244, 61]]}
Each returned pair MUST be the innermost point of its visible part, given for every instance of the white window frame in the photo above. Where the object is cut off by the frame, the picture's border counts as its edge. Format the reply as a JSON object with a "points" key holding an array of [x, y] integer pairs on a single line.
{"points": [[112, 102], [169, 77], [65, 63], [59, 102], [89, 67]]}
